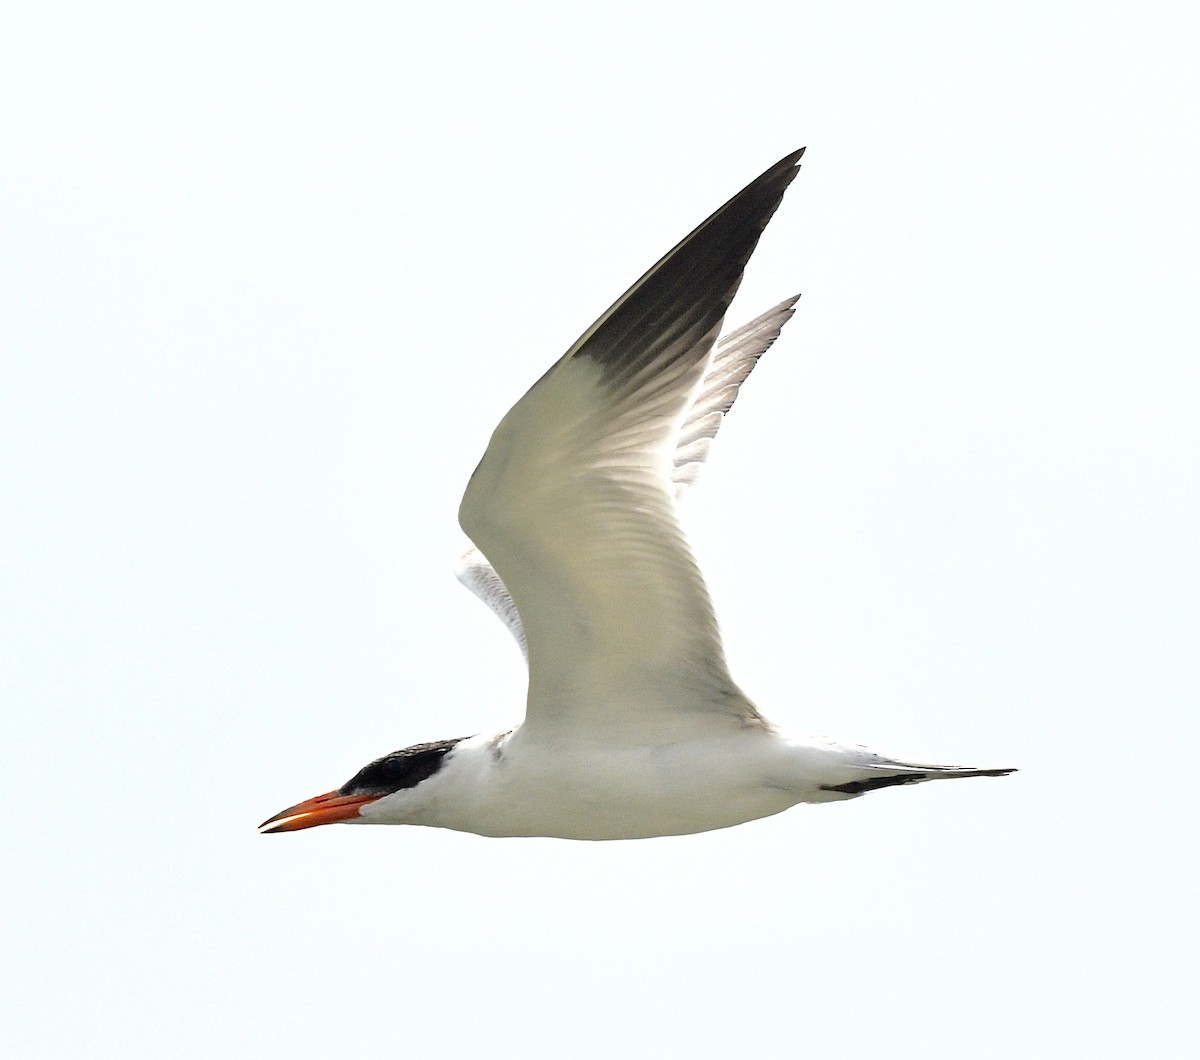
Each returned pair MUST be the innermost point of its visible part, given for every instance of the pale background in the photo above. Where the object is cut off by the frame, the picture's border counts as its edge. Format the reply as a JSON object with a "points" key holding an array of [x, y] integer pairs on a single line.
{"points": [[272, 272]]}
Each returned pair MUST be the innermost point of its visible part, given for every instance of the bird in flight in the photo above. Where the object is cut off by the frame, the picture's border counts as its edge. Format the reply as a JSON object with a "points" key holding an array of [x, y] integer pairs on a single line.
{"points": [[633, 725]]}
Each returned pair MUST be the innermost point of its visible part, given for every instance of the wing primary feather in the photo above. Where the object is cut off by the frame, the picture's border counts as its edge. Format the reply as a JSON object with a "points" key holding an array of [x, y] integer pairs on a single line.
{"points": [[732, 361], [681, 301]]}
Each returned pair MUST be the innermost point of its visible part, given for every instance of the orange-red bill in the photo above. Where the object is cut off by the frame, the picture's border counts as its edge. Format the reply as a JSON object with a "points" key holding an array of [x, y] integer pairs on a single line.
{"points": [[324, 809]]}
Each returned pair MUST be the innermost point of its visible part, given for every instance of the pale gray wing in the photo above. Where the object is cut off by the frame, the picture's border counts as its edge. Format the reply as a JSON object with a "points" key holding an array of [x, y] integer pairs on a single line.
{"points": [[733, 359], [574, 500], [478, 575]]}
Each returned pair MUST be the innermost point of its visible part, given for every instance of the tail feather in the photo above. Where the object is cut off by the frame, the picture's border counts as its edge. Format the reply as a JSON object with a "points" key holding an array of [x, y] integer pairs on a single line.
{"points": [[891, 775]]}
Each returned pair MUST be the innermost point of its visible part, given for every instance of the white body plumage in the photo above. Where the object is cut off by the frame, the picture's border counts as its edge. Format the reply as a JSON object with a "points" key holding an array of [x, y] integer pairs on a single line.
{"points": [[633, 725]]}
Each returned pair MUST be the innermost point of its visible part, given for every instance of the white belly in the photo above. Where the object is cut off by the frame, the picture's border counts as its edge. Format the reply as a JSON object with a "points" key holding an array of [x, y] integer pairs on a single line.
{"points": [[574, 793]]}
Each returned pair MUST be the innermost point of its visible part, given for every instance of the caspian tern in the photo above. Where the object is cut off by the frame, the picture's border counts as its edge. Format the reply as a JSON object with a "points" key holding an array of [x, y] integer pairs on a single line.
{"points": [[633, 725]]}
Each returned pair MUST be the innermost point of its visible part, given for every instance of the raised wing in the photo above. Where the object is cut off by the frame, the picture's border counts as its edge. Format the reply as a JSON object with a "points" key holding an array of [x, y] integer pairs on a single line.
{"points": [[733, 359], [574, 500]]}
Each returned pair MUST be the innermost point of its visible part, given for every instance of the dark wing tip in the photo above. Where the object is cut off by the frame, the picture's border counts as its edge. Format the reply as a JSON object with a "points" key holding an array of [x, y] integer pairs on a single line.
{"points": [[675, 309]]}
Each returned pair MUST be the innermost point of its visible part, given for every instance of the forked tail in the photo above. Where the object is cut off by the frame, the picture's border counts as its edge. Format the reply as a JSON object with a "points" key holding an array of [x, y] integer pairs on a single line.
{"points": [[889, 774]]}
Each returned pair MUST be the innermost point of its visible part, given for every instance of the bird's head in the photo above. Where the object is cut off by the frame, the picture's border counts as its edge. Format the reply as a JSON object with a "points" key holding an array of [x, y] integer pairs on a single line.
{"points": [[397, 771]]}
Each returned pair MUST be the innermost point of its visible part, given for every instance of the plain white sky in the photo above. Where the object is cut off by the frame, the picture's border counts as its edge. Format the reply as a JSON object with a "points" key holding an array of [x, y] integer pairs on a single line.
{"points": [[270, 275]]}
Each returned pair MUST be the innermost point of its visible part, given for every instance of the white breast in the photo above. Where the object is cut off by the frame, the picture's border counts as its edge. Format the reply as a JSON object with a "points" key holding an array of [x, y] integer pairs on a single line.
{"points": [[518, 788]]}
